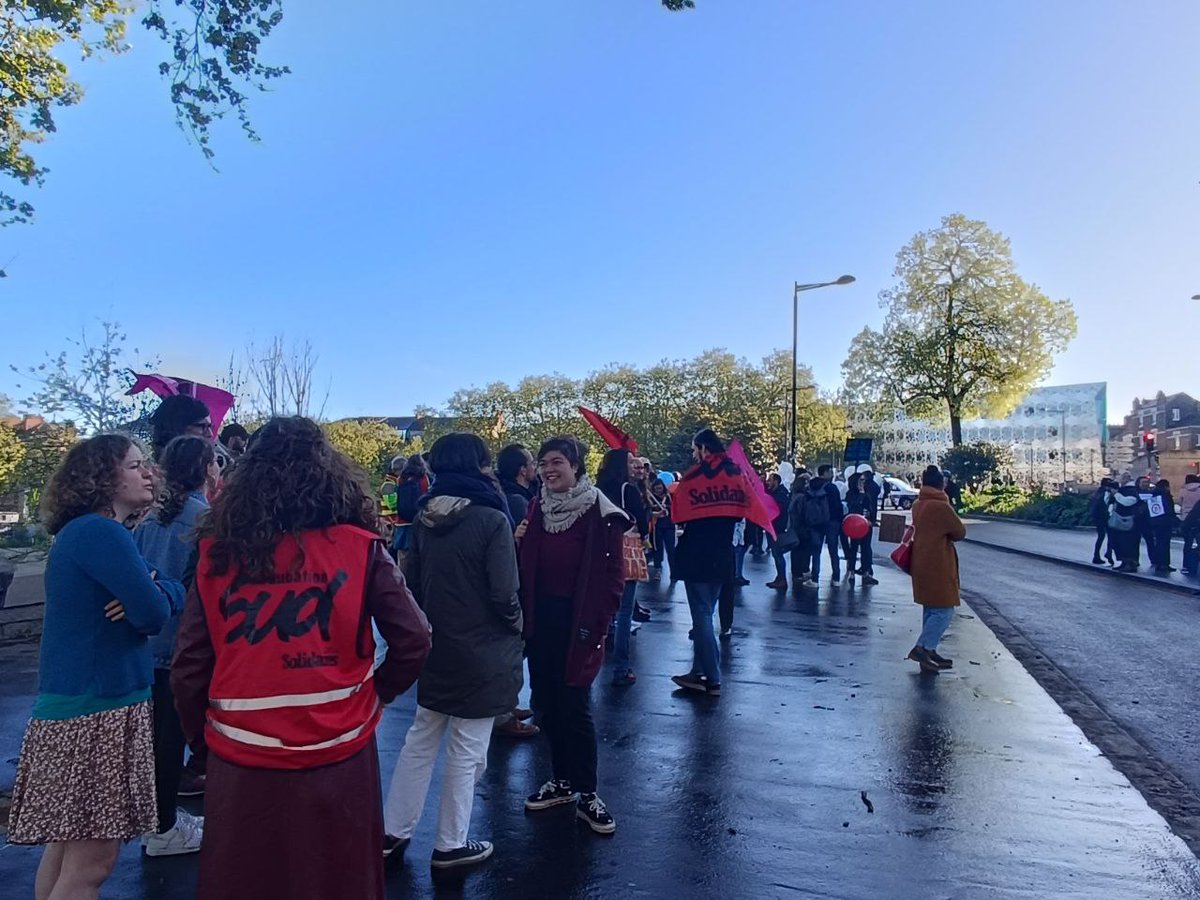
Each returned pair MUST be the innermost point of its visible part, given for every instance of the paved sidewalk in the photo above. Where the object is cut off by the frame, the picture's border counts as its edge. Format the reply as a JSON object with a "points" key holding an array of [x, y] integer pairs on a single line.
{"points": [[979, 785], [1069, 545]]}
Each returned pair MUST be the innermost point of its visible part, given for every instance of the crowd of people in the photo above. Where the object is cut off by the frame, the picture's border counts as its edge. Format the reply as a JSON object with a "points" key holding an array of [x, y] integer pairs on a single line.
{"points": [[252, 600], [1138, 511]]}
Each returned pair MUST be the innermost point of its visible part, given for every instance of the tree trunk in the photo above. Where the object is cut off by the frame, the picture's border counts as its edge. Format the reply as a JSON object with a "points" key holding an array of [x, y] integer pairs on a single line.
{"points": [[955, 429]]}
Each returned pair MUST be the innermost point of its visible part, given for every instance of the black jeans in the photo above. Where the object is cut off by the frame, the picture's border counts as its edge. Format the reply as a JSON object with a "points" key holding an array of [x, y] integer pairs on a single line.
{"points": [[664, 544], [564, 713], [1101, 536], [169, 745], [725, 605], [1162, 544], [862, 551]]}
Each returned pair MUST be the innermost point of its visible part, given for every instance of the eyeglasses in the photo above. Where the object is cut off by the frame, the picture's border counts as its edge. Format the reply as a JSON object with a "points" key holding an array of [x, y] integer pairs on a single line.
{"points": [[204, 427]]}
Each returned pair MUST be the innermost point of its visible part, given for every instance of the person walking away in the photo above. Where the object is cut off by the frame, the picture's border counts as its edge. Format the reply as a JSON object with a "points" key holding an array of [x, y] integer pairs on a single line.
{"points": [[802, 555], [872, 497], [463, 566], [1126, 521], [1163, 520], [782, 498], [1098, 509], [1189, 501], [730, 586], [664, 527], [858, 502], [85, 775], [822, 513], [517, 471], [166, 539], [953, 491], [935, 581], [572, 579], [705, 551], [617, 480], [275, 662]]}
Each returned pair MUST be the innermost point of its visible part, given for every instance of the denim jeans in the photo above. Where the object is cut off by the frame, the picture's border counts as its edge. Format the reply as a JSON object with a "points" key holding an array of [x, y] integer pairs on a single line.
{"points": [[780, 563], [825, 536], [934, 622], [620, 657], [706, 653]]}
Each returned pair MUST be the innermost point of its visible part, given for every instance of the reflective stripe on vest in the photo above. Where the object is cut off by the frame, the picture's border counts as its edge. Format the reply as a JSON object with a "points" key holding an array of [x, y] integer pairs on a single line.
{"points": [[242, 736], [282, 701]]}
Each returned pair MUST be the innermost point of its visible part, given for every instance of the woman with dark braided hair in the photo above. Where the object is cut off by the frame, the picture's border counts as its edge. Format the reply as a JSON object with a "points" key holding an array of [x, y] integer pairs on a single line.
{"points": [[275, 664], [188, 467]]}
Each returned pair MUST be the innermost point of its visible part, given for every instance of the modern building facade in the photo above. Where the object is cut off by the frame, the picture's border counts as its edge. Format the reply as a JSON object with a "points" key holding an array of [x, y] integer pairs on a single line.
{"points": [[1056, 434]]}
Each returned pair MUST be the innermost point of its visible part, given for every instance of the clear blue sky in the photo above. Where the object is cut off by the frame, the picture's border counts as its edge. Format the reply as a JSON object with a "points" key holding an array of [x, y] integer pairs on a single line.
{"points": [[451, 194]]}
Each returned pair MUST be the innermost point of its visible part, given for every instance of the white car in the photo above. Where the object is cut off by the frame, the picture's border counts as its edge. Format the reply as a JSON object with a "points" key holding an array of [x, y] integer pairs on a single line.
{"points": [[900, 494]]}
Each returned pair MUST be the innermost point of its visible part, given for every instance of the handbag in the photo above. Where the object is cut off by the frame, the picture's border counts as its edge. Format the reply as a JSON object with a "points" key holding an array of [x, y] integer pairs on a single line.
{"points": [[787, 541], [902, 555], [633, 557]]}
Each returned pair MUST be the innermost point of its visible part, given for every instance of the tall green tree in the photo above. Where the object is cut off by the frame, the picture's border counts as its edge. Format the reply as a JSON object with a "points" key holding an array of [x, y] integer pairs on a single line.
{"points": [[963, 335], [12, 452], [371, 444], [212, 64]]}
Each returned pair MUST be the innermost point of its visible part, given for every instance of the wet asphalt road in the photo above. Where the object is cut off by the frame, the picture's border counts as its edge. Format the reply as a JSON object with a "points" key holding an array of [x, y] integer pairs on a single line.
{"points": [[1132, 649], [980, 786]]}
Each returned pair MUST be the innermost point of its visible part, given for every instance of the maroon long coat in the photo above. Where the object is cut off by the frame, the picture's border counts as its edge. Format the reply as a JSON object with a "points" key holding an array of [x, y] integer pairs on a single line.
{"points": [[598, 588]]}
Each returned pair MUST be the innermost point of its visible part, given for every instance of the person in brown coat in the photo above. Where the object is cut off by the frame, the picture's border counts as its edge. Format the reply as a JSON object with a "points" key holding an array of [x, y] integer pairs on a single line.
{"points": [[934, 567]]}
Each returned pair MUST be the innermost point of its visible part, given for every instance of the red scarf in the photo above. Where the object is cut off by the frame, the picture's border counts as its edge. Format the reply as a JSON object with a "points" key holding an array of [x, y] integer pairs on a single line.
{"points": [[717, 488]]}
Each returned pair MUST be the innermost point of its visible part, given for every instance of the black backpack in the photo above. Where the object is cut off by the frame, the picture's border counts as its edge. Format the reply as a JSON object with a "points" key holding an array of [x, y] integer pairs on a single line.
{"points": [[816, 508]]}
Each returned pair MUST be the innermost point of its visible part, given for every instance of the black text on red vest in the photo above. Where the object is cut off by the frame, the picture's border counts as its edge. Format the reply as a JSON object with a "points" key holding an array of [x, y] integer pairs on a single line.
{"points": [[286, 620]]}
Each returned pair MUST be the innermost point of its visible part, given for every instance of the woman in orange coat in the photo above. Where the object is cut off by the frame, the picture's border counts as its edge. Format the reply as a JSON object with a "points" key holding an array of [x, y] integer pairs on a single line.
{"points": [[934, 567]]}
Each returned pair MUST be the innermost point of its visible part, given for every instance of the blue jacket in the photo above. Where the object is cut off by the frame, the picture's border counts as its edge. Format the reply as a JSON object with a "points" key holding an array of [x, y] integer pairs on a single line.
{"points": [[92, 562], [166, 549]]}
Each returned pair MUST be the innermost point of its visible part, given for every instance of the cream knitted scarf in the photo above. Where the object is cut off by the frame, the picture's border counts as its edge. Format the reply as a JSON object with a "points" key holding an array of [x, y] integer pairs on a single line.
{"points": [[562, 510]]}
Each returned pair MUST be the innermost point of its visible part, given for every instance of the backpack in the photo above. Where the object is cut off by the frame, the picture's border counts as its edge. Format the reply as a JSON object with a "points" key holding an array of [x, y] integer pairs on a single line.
{"points": [[816, 508]]}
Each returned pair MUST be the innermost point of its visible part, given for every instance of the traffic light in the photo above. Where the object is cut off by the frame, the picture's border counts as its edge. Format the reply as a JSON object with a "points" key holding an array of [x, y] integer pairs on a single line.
{"points": [[1148, 441]]}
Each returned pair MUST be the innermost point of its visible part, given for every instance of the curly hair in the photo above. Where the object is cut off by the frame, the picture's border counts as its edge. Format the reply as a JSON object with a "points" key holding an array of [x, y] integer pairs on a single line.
{"points": [[184, 469], [290, 480], [85, 481]]}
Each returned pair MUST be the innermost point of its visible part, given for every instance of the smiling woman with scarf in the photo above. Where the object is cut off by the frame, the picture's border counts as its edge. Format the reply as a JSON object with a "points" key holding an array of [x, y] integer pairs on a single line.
{"points": [[463, 573], [572, 578]]}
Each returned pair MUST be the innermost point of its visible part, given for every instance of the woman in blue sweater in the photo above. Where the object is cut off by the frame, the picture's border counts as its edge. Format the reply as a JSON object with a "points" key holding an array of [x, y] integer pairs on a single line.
{"points": [[166, 538], [85, 779]]}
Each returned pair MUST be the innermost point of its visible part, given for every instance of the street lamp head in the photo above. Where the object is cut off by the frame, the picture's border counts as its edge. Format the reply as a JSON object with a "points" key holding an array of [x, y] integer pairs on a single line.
{"points": [[849, 279]]}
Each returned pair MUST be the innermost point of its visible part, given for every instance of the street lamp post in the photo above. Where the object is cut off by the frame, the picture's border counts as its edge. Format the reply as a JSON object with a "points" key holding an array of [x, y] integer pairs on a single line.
{"points": [[797, 288]]}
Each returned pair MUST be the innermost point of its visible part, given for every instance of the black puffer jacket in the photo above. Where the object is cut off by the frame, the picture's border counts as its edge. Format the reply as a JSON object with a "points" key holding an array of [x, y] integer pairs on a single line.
{"points": [[463, 572]]}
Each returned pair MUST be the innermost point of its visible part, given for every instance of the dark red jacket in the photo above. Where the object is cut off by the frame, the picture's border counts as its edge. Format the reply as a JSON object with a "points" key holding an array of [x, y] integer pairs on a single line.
{"points": [[597, 591]]}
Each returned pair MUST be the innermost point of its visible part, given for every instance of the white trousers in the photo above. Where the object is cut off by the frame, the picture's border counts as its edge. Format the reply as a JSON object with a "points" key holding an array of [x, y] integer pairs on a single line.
{"points": [[466, 760]]}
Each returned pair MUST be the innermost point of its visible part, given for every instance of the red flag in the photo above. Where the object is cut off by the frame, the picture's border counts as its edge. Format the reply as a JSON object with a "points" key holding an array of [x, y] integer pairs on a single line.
{"points": [[613, 436], [770, 507], [218, 401], [719, 488]]}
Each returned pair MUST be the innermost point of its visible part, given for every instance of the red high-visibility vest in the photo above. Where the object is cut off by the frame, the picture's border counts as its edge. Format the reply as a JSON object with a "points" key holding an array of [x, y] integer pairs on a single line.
{"points": [[292, 685]]}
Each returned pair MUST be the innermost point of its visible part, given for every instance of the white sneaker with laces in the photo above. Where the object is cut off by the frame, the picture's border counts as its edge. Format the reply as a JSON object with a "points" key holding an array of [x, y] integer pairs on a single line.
{"points": [[184, 837]]}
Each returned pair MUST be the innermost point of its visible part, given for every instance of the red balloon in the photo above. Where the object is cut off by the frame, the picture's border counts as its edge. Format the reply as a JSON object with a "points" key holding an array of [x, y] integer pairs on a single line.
{"points": [[856, 527]]}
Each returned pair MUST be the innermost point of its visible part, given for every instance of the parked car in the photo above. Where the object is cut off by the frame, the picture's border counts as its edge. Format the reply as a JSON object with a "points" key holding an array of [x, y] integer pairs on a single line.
{"points": [[901, 494]]}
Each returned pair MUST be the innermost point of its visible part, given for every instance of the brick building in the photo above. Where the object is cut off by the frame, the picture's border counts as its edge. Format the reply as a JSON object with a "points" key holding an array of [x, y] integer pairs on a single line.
{"points": [[1174, 422]]}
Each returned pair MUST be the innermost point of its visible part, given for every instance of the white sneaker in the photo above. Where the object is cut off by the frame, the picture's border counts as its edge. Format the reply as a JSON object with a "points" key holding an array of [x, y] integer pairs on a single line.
{"points": [[184, 837]]}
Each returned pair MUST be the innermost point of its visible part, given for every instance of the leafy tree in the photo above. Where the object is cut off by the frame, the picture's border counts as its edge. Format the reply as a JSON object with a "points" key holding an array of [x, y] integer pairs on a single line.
{"points": [[12, 452], [372, 443], [976, 465], [964, 334], [214, 59], [45, 448], [213, 62], [89, 382]]}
